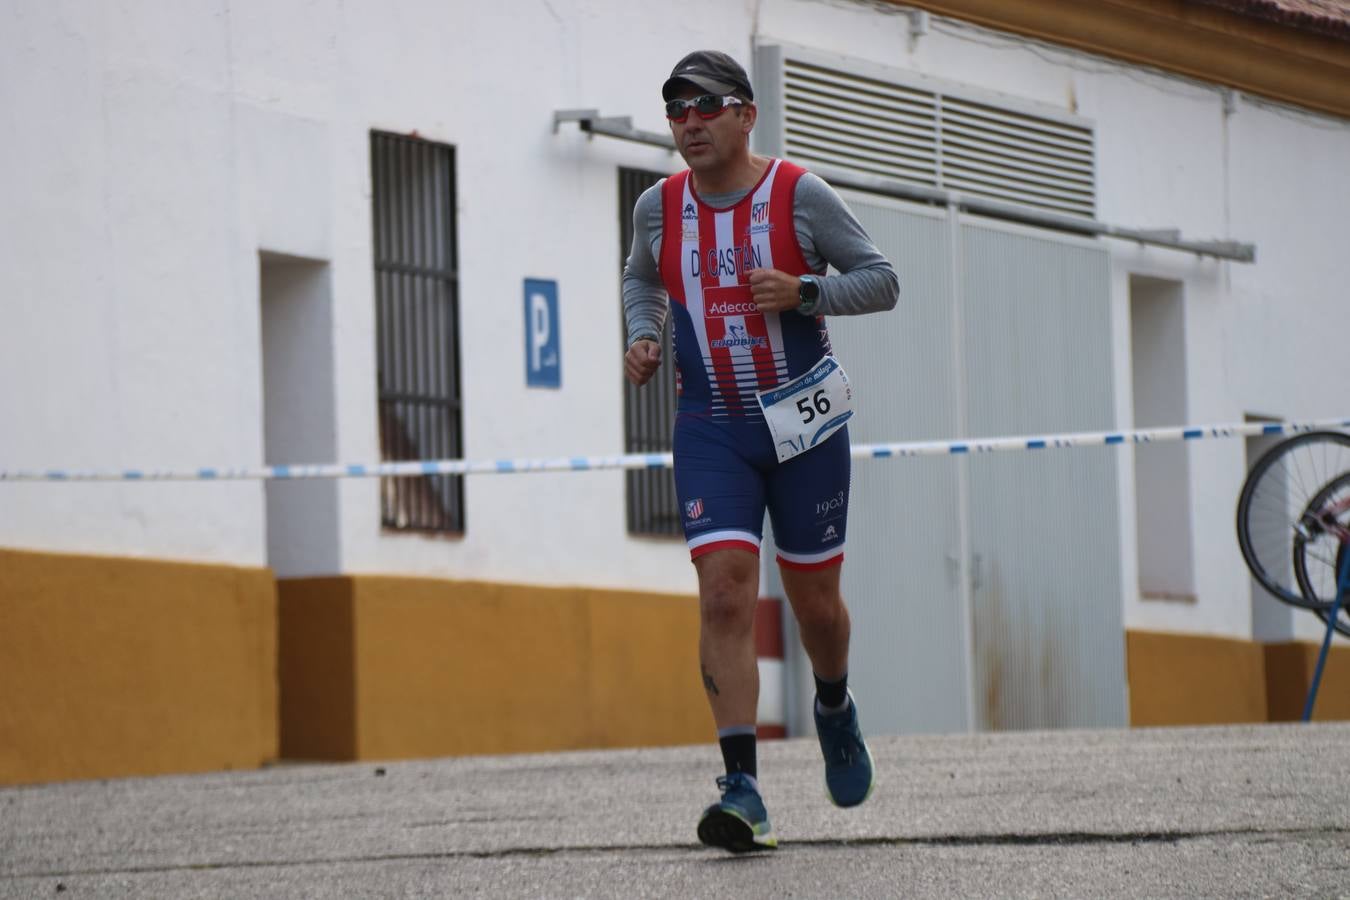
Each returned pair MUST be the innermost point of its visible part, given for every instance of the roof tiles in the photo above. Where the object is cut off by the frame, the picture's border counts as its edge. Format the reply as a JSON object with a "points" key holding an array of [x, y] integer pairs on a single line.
{"points": [[1329, 17]]}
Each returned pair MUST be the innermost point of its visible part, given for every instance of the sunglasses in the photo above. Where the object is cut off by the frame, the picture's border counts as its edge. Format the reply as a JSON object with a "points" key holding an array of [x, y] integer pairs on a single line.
{"points": [[708, 106]]}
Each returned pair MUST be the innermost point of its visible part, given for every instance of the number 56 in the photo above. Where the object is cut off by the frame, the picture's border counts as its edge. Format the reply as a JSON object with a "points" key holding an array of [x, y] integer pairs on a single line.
{"points": [[809, 407]]}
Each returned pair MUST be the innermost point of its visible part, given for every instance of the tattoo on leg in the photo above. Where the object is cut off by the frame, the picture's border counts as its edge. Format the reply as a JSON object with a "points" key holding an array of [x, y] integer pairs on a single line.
{"points": [[708, 684]]}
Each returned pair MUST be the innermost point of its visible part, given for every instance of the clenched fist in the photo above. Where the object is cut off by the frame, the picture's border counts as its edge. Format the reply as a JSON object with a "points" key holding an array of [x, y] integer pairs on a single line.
{"points": [[774, 291], [641, 361]]}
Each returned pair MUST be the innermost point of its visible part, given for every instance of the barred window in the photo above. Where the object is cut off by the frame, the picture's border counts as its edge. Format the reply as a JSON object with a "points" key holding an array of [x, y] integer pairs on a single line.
{"points": [[649, 411], [417, 328]]}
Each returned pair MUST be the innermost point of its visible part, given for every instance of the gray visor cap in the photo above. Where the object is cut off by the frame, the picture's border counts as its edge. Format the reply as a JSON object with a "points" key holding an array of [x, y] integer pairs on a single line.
{"points": [[703, 83], [709, 70]]}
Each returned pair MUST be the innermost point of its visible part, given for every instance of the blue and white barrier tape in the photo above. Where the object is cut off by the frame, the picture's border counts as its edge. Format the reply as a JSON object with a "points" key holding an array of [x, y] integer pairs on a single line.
{"points": [[663, 460]]}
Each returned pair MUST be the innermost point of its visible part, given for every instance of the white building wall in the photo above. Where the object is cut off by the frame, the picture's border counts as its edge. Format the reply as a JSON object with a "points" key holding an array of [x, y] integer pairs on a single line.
{"points": [[130, 335], [159, 147]]}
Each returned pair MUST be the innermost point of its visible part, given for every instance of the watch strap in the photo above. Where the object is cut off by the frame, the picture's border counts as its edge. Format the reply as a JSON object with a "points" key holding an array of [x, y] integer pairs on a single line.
{"points": [[807, 305]]}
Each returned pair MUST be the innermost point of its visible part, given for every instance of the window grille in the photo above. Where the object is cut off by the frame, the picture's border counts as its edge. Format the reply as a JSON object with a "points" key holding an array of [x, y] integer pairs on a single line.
{"points": [[649, 411], [417, 328]]}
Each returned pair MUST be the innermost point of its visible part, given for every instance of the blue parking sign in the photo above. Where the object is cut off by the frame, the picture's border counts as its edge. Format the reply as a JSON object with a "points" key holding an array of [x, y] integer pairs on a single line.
{"points": [[543, 350]]}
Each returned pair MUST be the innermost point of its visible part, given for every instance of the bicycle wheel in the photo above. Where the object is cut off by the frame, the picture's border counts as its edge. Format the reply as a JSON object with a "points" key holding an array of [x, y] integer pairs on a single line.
{"points": [[1343, 620], [1319, 545], [1278, 491], [1321, 548]]}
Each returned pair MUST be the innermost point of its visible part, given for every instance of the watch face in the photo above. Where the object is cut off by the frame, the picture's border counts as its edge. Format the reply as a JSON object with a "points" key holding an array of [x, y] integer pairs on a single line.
{"points": [[810, 291]]}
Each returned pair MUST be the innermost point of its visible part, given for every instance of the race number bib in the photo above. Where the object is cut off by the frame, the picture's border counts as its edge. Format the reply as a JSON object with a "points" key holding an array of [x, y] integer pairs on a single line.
{"points": [[808, 409]]}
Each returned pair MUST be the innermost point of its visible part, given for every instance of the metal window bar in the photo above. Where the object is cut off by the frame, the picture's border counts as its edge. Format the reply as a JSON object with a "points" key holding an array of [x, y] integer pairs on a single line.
{"points": [[417, 328], [649, 411]]}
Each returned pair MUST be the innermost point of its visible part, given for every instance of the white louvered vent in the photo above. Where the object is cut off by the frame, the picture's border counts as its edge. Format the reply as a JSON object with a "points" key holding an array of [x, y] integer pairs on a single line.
{"points": [[936, 138], [856, 123]]}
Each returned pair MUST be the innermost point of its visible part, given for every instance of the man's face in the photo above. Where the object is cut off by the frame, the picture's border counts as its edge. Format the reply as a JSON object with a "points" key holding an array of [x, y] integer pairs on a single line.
{"points": [[708, 144]]}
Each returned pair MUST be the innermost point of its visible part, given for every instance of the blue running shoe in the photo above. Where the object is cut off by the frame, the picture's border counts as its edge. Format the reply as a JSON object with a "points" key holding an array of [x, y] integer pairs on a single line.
{"points": [[848, 764], [739, 823]]}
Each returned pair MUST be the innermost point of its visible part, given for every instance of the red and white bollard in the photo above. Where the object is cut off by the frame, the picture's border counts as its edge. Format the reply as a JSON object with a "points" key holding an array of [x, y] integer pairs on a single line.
{"points": [[772, 712]]}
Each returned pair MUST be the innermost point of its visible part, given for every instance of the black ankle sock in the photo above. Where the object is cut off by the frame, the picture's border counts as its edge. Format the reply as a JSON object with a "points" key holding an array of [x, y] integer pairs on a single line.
{"points": [[832, 694], [738, 752]]}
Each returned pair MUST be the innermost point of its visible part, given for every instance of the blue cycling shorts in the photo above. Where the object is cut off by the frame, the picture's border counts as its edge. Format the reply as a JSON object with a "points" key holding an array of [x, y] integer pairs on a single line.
{"points": [[727, 475]]}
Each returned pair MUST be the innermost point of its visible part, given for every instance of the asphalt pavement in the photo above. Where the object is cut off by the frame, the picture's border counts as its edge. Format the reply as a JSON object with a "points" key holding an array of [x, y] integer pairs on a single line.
{"points": [[1252, 811]]}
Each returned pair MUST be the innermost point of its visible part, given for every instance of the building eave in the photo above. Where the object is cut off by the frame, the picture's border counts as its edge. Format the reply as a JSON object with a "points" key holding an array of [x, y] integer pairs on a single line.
{"points": [[1198, 39]]}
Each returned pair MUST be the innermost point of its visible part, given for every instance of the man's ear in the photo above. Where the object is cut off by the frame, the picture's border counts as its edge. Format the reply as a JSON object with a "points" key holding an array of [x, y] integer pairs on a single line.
{"points": [[748, 117]]}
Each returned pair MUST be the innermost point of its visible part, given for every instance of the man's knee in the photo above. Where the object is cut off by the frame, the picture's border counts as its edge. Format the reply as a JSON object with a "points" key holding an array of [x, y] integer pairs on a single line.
{"points": [[822, 612], [816, 602], [727, 593]]}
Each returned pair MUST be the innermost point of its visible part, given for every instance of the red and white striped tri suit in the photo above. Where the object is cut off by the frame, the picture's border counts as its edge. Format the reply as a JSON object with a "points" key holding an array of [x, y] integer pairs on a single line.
{"points": [[726, 470]]}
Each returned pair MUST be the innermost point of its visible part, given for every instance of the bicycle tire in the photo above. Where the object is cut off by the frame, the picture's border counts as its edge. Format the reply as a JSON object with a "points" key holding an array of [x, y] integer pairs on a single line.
{"points": [[1279, 488], [1342, 625], [1318, 554]]}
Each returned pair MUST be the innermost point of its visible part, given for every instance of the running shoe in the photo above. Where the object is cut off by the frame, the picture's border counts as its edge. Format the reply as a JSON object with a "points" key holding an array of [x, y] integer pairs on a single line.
{"points": [[739, 822], [848, 764]]}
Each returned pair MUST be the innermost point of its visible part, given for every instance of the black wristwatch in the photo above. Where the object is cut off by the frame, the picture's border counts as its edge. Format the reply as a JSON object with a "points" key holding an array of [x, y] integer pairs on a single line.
{"points": [[808, 294]]}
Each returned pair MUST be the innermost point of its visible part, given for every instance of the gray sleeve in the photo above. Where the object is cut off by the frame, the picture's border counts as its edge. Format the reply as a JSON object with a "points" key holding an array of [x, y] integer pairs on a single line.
{"points": [[644, 295], [830, 234]]}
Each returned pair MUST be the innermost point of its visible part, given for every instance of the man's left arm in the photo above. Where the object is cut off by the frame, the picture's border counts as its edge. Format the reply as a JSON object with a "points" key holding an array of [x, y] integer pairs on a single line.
{"points": [[829, 233]]}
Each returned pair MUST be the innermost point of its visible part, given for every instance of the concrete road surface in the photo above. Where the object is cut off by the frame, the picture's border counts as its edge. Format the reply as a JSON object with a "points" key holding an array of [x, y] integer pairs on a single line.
{"points": [[1261, 811]]}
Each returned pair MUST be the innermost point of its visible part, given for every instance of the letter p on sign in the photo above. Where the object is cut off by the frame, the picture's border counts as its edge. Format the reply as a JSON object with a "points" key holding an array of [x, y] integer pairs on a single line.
{"points": [[543, 355]]}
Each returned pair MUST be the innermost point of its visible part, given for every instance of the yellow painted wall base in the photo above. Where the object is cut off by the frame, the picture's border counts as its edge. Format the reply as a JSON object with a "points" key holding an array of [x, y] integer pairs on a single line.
{"points": [[112, 667], [1289, 674], [1185, 679], [378, 667], [317, 673]]}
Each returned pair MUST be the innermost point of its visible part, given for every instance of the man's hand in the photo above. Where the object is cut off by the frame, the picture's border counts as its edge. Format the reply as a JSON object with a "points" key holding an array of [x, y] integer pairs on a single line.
{"points": [[641, 361], [774, 291]]}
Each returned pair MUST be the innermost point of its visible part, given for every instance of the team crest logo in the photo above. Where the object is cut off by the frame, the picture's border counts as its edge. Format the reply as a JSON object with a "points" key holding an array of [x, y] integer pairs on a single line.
{"points": [[759, 218], [693, 508]]}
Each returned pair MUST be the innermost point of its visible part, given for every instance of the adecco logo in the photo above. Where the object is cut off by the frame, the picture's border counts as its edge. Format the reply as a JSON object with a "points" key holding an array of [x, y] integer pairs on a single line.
{"points": [[721, 309]]}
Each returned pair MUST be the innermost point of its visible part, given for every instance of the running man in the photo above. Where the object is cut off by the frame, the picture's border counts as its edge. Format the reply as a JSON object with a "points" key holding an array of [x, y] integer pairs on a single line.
{"points": [[740, 244]]}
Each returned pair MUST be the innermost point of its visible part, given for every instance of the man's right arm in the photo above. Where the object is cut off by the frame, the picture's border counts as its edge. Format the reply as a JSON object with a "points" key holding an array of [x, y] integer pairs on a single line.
{"points": [[645, 302]]}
